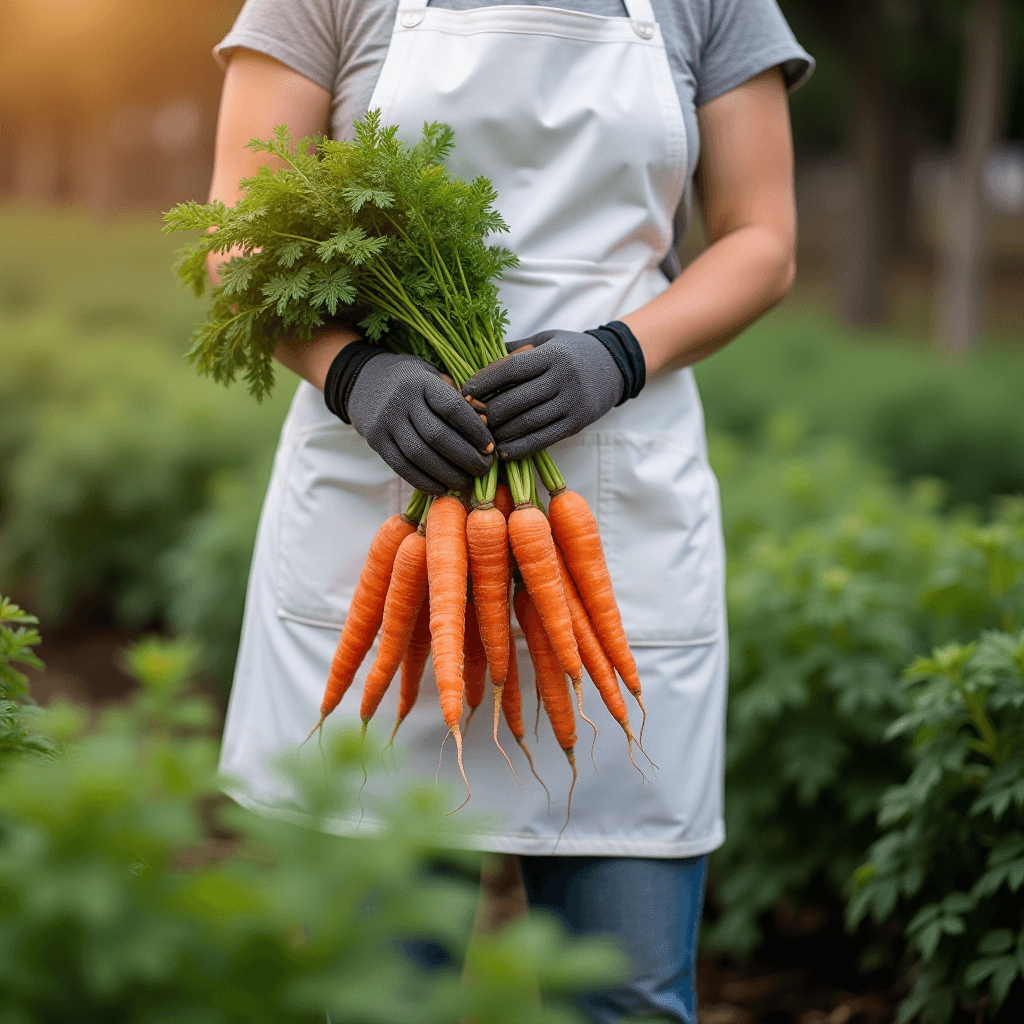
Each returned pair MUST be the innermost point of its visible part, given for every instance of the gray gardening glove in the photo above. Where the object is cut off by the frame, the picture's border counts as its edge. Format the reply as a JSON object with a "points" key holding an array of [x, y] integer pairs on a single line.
{"points": [[411, 416], [555, 383]]}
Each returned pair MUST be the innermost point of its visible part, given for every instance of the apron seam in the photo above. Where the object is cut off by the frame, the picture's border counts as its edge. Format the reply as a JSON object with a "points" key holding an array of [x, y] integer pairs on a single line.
{"points": [[520, 30]]}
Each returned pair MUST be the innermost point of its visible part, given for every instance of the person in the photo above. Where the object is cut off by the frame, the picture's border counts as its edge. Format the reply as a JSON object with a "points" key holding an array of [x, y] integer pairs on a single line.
{"points": [[599, 122]]}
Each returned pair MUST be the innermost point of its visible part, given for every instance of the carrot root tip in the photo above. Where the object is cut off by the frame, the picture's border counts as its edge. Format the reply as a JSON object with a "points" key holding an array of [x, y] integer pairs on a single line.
{"points": [[568, 807], [526, 750], [469, 792], [437, 774], [635, 765], [497, 742], [319, 726], [577, 685]]}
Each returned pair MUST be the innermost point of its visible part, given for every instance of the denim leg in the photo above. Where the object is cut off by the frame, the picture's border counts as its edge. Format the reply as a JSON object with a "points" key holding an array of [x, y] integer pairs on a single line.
{"points": [[651, 907]]}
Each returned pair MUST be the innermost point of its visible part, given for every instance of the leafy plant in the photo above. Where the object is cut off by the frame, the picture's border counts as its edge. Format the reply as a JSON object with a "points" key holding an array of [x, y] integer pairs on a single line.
{"points": [[950, 863], [118, 448], [18, 636], [115, 907], [837, 580], [905, 410], [207, 570]]}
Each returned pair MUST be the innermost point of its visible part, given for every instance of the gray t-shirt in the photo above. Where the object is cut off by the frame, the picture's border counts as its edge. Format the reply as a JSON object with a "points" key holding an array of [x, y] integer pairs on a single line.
{"points": [[712, 46]]}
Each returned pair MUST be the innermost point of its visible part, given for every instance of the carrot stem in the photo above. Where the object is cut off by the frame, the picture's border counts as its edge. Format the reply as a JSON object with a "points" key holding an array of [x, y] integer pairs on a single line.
{"points": [[414, 510], [486, 486], [534, 496], [518, 481], [428, 500], [549, 474]]}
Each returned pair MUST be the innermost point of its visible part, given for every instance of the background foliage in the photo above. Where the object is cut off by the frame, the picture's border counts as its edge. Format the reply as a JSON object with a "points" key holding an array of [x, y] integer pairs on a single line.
{"points": [[112, 909], [951, 861], [838, 578]]}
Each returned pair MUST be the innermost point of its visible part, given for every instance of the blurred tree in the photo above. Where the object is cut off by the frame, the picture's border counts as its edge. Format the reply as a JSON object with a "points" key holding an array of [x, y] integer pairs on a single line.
{"points": [[70, 65], [980, 123], [856, 31], [896, 95]]}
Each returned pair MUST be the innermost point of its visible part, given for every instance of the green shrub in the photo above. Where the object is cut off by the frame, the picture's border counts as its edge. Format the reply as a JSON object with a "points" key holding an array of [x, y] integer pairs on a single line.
{"points": [[17, 712], [950, 864], [111, 911], [97, 276], [837, 580], [207, 570], [901, 405], [113, 449]]}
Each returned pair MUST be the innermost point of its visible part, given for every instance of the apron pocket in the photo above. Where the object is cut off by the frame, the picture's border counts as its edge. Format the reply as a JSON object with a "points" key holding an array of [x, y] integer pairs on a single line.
{"points": [[338, 492], [656, 503]]}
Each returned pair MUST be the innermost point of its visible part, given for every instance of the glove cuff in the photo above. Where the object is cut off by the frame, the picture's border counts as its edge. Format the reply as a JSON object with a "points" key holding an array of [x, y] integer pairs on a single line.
{"points": [[342, 375], [629, 357]]}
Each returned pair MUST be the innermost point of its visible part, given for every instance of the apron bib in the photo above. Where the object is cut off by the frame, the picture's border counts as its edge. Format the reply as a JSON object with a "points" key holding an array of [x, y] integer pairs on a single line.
{"points": [[575, 119]]}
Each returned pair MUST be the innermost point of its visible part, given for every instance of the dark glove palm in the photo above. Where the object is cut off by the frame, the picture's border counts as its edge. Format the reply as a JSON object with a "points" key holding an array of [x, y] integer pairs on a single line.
{"points": [[538, 396], [418, 423]]}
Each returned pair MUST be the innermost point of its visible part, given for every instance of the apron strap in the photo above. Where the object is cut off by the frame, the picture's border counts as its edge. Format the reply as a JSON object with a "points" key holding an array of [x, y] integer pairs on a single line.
{"points": [[639, 11]]}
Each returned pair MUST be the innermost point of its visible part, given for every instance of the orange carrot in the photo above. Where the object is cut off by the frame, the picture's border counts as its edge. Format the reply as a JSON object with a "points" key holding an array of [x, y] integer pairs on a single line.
{"points": [[406, 594], [487, 538], [595, 660], [413, 663], [512, 706], [575, 530], [447, 570], [503, 500], [550, 677], [365, 612], [534, 548], [475, 662]]}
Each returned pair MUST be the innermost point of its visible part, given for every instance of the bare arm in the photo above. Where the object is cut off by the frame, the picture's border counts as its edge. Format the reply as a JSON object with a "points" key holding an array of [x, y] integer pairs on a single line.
{"points": [[745, 188], [259, 94]]}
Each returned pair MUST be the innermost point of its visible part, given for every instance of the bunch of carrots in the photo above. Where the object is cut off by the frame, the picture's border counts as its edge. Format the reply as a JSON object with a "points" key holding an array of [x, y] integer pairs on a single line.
{"points": [[380, 234], [443, 580]]}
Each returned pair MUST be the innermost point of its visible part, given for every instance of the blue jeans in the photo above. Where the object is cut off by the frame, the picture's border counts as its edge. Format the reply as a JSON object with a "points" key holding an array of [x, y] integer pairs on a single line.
{"points": [[650, 907]]}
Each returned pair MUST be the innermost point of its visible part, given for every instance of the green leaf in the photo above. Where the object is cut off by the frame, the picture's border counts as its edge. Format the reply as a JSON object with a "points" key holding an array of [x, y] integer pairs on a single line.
{"points": [[995, 942], [927, 939], [283, 289], [331, 289], [958, 903], [356, 196], [1002, 981], [289, 252], [375, 326]]}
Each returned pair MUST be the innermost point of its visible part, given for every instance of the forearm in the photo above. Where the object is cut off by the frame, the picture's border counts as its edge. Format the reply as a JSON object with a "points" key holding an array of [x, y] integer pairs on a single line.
{"points": [[312, 359], [731, 284], [309, 359], [745, 189]]}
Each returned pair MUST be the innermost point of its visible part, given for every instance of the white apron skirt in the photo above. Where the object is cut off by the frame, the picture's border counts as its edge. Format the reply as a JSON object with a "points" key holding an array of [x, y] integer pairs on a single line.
{"points": [[576, 121]]}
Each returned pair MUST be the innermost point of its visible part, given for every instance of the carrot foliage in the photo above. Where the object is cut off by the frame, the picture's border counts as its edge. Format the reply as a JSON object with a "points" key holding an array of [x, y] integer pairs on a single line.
{"points": [[371, 233]]}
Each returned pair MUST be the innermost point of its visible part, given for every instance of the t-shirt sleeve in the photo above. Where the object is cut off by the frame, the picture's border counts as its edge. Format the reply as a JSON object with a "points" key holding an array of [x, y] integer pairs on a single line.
{"points": [[299, 33], [744, 38]]}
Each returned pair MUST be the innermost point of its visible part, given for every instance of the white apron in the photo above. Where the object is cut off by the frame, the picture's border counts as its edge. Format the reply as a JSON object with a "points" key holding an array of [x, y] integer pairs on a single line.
{"points": [[576, 121]]}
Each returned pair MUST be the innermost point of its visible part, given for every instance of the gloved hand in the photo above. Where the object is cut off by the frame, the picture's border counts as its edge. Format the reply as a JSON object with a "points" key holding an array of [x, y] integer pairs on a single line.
{"points": [[410, 415], [555, 383]]}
